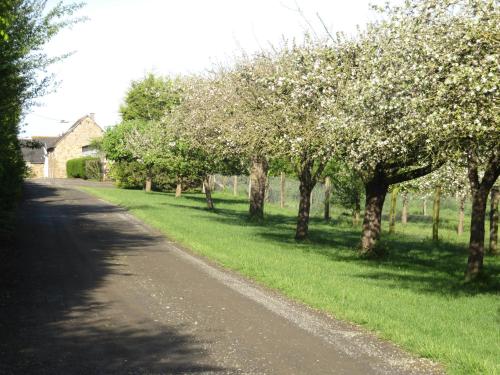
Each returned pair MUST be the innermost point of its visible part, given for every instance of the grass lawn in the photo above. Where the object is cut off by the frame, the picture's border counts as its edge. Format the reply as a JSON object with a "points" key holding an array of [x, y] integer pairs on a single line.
{"points": [[414, 296]]}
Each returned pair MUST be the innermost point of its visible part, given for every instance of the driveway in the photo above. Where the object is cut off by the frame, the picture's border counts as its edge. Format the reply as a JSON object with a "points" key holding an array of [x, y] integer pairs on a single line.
{"points": [[94, 291]]}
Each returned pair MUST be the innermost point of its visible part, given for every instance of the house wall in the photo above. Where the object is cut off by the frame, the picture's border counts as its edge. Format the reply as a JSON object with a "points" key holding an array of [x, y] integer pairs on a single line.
{"points": [[35, 170], [70, 146]]}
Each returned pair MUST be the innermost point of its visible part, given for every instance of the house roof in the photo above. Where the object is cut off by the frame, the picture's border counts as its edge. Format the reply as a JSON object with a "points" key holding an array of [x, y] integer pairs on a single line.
{"points": [[78, 122], [31, 153], [47, 141]]}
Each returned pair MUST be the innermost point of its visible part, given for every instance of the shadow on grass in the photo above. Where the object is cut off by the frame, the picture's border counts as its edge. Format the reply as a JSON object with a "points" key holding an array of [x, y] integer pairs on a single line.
{"points": [[444, 223], [410, 261], [200, 199]]}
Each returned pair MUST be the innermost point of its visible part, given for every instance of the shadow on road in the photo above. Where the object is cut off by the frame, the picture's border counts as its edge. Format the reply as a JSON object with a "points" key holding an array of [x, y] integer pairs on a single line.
{"points": [[51, 318]]}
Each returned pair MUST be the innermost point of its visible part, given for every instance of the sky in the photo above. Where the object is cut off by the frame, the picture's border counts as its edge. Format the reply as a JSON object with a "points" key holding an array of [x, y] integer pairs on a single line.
{"points": [[123, 40]]}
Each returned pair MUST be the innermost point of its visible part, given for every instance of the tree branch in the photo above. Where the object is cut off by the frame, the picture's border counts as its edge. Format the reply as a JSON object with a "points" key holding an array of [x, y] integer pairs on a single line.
{"points": [[410, 175], [491, 171]]}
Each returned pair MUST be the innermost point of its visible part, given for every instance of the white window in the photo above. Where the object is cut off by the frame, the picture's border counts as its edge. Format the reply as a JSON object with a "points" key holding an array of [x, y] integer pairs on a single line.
{"points": [[88, 150]]}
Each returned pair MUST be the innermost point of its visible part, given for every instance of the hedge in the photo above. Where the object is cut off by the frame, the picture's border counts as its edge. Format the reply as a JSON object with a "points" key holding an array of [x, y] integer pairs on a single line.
{"points": [[85, 167]]}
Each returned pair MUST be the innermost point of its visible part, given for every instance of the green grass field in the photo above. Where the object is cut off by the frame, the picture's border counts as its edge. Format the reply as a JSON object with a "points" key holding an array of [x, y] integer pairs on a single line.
{"points": [[414, 296]]}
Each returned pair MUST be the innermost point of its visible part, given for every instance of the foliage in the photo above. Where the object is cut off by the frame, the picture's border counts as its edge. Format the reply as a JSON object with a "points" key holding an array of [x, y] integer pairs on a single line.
{"points": [[451, 177], [93, 169], [280, 164], [128, 174], [142, 147], [347, 186], [296, 87], [85, 167], [144, 142], [113, 142], [25, 26], [150, 98], [199, 120], [131, 175]]}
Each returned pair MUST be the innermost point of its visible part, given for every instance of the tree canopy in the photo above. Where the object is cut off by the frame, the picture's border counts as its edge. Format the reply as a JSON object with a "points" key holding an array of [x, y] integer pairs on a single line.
{"points": [[25, 27], [150, 98]]}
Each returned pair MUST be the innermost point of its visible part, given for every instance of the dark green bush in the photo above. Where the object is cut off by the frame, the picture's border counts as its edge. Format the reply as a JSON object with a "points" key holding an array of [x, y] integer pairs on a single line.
{"points": [[132, 175], [128, 174], [86, 167], [93, 169]]}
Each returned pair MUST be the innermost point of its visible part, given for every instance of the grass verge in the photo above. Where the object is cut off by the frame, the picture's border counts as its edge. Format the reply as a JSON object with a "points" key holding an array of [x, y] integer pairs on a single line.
{"points": [[414, 296]]}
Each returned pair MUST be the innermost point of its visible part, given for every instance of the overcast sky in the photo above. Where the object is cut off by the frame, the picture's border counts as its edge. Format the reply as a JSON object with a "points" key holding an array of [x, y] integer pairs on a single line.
{"points": [[125, 39]]}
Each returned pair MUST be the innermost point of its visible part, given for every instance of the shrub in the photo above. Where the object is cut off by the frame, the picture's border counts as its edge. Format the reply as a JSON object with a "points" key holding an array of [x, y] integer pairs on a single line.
{"points": [[93, 169], [132, 175], [128, 174], [86, 167]]}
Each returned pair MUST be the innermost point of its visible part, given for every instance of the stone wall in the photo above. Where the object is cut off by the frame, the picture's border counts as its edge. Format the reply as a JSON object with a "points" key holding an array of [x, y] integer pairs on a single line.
{"points": [[70, 145], [35, 170]]}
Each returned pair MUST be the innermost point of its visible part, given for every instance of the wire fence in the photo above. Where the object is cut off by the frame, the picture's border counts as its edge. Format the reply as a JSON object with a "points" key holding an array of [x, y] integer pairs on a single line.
{"points": [[273, 191], [418, 204]]}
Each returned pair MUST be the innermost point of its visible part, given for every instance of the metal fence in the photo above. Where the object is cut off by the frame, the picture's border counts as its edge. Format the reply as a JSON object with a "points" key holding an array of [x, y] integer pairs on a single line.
{"points": [[291, 196]]}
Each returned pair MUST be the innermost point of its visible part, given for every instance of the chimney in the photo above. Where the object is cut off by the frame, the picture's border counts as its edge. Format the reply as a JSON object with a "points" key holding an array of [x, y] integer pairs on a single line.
{"points": [[92, 115]]}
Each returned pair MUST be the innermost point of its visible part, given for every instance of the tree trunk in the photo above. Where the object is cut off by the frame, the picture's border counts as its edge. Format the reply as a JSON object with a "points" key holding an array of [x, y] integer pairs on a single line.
{"points": [[495, 197], [404, 212], [235, 185], [305, 188], [435, 213], [282, 190], [392, 211], [249, 186], [208, 192], [258, 176], [376, 191], [178, 189], [328, 193], [149, 181], [461, 215], [480, 190], [476, 244], [424, 207]]}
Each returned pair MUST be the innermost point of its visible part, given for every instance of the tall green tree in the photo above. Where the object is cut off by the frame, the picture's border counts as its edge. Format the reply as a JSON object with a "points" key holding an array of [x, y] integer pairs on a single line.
{"points": [[25, 26], [150, 98], [146, 102]]}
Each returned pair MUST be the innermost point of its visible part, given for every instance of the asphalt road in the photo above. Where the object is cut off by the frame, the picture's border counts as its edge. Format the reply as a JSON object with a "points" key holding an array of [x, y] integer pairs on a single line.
{"points": [[94, 291]]}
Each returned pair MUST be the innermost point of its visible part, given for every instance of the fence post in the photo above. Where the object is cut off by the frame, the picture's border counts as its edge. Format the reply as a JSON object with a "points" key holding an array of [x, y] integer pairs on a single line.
{"points": [[404, 212], [282, 190], [435, 213], [392, 212], [328, 192]]}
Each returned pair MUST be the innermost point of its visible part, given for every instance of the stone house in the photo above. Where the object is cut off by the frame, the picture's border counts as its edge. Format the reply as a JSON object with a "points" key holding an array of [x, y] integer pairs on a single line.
{"points": [[50, 159], [36, 157]]}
